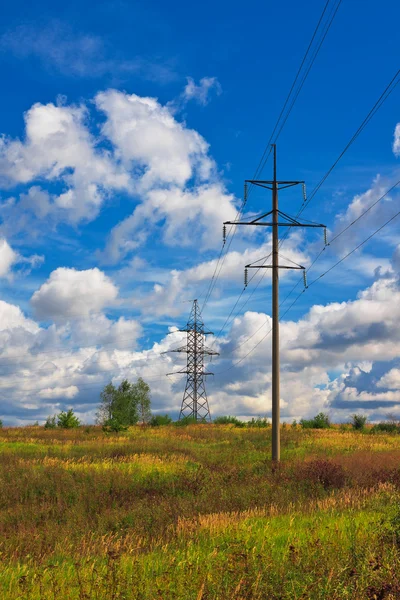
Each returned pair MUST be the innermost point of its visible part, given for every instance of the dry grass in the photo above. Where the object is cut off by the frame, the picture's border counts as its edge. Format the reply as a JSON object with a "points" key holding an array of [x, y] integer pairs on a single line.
{"points": [[197, 512]]}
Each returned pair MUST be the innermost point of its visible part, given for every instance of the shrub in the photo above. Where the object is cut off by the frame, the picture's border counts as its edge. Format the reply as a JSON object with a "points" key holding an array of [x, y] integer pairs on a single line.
{"points": [[67, 420], [51, 422], [229, 420], [390, 426], [114, 425], [259, 422], [1, 423], [157, 420], [320, 421], [324, 472], [358, 422]]}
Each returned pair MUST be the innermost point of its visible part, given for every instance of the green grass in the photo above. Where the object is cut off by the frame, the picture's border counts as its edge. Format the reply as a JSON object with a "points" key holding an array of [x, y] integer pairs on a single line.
{"points": [[197, 513]]}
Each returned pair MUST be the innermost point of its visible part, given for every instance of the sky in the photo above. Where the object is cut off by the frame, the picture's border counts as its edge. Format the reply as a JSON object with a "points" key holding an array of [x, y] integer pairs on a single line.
{"points": [[126, 133]]}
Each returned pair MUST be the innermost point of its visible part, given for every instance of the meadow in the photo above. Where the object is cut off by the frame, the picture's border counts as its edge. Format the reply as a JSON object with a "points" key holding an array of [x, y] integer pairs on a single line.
{"points": [[197, 513]]}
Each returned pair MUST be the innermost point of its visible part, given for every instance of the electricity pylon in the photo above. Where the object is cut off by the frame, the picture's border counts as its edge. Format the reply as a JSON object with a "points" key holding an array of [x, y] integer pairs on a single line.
{"points": [[288, 221], [195, 403]]}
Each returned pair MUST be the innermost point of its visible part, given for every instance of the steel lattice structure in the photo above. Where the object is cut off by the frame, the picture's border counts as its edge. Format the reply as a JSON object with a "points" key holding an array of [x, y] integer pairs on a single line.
{"points": [[195, 403]]}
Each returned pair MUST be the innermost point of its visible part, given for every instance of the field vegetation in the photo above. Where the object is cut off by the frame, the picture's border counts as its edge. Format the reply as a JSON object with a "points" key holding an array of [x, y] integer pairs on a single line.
{"points": [[197, 513]]}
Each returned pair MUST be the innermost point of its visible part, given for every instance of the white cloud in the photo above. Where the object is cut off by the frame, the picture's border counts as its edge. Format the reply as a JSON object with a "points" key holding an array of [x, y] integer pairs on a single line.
{"points": [[164, 299], [70, 293], [201, 92], [390, 380], [147, 136], [59, 392], [191, 217], [373, 218], [11, 318], [396, 140], [7, 258], [59, 147]]}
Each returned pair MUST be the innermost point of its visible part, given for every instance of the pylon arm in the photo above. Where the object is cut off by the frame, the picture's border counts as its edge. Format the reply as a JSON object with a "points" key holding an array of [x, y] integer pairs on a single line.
{"points": [[181, 349], [177, 373], [294, 224], [210, 352], [271, 267]]}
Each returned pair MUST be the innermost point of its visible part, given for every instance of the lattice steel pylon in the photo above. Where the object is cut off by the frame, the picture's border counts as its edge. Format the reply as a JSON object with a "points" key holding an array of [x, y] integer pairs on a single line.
{"points": [[195, 403]]}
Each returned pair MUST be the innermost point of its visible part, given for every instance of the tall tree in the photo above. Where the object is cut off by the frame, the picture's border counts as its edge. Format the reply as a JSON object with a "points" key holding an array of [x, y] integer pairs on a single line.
{"points": [[124, 404], [142, 392]]}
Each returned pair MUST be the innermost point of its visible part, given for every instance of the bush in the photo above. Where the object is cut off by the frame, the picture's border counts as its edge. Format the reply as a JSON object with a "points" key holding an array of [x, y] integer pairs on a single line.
{"points": [[386, 426], [320, 421], [1, 423], [51, 422], [157, 420], [324, 472], [259, 422], [114, 425], [67, 420], [228, 420], [358, 422]]}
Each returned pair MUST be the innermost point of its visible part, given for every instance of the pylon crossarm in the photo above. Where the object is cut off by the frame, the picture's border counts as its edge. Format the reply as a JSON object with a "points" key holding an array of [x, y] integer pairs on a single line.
{"points": [[181, 349], [209, 352], [177, 373], [271, 267], [289, 224], [253, 222], [272, 181]]}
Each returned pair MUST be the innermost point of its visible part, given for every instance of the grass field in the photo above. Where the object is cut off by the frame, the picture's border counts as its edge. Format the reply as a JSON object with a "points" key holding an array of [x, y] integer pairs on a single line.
{"points": [[196, 513]]}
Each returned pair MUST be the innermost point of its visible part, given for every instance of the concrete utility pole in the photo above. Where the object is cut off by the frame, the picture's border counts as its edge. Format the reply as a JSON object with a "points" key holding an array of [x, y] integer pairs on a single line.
{"points": [[195, 403], [276, 433], [288, 221]]}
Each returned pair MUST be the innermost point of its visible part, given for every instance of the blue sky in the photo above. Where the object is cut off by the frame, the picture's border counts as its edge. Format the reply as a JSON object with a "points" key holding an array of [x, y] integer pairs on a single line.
{"points": [[127, 132]]}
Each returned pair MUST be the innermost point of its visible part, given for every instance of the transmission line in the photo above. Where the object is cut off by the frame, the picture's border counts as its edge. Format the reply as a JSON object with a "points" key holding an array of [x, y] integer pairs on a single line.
{"points": [[382, 98], [319, 276], [264, 159]]}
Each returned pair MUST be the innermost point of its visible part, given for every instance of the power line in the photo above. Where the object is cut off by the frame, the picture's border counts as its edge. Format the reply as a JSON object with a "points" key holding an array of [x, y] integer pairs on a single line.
{"points": [[262, 162], [320, 276], [383, 97]]}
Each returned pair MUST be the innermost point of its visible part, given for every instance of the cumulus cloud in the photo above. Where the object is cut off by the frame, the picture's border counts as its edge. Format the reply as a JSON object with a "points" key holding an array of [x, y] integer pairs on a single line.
{"points": [[59, 147], [7, 258], [339, 357], [146, 135], [377, 215], [70, 293], [164, 298], [45, 370], [11, 262], [189, 216], [144, 152]]}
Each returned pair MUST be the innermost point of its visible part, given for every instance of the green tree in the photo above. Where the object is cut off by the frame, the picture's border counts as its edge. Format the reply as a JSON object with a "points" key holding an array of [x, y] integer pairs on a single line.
{"points": [[51, 422], [105, 410], [320, 421], [142, 391], [125, 404], [157, 420], [67, 420], [1, 423], [358, 422]]}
